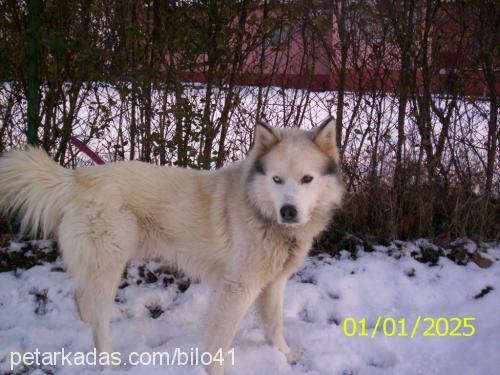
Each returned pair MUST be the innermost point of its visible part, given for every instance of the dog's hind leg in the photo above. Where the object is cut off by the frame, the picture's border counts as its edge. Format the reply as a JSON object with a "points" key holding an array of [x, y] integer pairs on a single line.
{"points": [[102, 290], [96, 246], [95, 299], [83, 305]]}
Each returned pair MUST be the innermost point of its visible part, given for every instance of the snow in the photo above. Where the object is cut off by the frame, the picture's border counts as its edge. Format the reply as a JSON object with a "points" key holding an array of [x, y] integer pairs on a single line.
{"points": [[327, 290]]}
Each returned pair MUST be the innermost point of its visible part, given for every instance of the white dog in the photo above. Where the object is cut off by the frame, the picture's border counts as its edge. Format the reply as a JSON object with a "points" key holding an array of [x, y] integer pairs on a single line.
{"points": [[245, 228]]}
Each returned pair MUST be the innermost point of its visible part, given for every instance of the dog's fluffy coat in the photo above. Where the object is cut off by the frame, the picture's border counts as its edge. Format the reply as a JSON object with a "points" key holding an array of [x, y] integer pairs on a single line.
{"points": [[223, 226]]}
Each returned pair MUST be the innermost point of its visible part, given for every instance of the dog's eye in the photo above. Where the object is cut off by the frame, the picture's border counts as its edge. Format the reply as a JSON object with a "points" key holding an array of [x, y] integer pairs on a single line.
{"points": [[277, 180], [306, 179]]}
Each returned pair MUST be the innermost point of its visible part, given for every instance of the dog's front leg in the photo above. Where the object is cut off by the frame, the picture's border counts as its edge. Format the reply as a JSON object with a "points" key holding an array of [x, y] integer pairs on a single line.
{"points": [[231, 302], [270, 308]]}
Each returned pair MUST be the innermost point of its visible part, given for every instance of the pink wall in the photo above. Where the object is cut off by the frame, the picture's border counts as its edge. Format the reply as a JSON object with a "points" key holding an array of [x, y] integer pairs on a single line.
{"points": [[304, 63]]}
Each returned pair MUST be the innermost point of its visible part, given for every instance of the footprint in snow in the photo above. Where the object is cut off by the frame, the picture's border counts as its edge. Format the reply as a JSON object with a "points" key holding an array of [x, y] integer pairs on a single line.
{"points": [[379, 357]]}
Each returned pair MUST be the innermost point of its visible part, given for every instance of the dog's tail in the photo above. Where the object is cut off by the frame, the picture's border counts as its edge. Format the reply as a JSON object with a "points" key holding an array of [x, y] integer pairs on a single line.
{"points": [[32, 184]]}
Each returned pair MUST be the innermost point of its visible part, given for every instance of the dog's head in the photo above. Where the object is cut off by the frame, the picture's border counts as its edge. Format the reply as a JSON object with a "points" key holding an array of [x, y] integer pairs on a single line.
{"points": [[294, 173]]}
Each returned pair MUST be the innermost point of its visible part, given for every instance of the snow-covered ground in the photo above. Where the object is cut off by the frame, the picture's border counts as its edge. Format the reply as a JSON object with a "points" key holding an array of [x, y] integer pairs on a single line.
{"points": [[158, 312]]}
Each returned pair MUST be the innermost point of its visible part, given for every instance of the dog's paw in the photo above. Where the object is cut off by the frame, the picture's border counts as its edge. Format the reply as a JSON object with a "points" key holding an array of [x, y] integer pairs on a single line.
{"points": [[293, 355]]}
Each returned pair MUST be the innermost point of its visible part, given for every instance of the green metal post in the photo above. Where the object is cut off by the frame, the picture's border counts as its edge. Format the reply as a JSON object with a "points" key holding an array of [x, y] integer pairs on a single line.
{"points": [[32, 61]]}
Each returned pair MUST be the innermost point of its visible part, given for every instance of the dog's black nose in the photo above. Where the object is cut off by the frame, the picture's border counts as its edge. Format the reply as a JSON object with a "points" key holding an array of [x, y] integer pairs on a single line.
{"points": [[288, 213]]}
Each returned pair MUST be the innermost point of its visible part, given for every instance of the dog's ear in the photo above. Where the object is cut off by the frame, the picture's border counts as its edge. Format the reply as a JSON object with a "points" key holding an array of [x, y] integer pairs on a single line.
{"points": [[265, 136], [325, 137]]}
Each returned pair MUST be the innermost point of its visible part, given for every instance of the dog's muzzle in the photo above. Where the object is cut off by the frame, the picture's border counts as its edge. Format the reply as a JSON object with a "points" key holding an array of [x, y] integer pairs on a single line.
{"points": [[289, 213]]}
